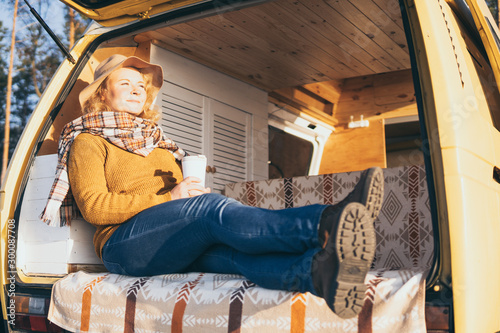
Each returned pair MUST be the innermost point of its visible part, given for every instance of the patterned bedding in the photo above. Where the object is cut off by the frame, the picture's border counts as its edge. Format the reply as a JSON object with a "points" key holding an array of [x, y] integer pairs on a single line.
{"points": [[200, 302]]}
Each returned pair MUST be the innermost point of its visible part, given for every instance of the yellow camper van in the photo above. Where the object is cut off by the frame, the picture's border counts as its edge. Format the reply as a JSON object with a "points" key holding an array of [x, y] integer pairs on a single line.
{"points": [[289, 100]]}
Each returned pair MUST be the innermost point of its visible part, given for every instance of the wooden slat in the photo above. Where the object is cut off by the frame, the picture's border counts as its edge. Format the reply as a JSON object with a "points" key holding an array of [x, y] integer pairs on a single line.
{"points": [[299, 109], [180, 44], [226, 168], [394, 88], [392, 9], [377, 96], [251, 48], [288, 43], [288, 51], [329, 90], [307, 99], [363, 18], [285, 34], [387, 17], [354, 41], [313, 33], [338, 45], [182, 117], [248, 48]]}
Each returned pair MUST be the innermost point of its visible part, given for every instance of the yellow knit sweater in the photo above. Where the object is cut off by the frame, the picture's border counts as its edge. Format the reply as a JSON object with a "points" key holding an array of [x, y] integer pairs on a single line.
{"points": [[111, 185]]}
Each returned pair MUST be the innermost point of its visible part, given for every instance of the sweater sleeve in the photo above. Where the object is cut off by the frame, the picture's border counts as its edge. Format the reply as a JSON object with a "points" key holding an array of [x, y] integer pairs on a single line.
{"points": [[88, 184]]}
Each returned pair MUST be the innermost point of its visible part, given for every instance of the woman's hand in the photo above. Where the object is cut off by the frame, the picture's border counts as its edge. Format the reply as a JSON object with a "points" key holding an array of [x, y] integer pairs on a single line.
{"points": [[188, 188]]}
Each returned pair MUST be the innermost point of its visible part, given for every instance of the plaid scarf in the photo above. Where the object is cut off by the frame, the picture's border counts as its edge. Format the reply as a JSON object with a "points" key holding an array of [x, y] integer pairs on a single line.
{"points": [[134, 134]]}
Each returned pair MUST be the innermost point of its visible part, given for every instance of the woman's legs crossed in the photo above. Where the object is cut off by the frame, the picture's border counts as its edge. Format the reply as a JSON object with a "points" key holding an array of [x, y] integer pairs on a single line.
{"points": [[283, 271], [168, 237]]}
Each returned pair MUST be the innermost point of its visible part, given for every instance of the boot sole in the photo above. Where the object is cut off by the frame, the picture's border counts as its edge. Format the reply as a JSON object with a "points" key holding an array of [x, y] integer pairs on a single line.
{"points": [[373, 192], [355, 249]]}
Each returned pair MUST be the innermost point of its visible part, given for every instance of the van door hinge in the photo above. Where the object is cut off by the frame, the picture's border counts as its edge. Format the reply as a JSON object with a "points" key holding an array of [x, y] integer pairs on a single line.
{"points": [[144, 15]]}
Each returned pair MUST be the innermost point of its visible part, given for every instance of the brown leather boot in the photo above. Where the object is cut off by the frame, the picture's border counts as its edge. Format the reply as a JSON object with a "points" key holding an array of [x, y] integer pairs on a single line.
{"points": [[340, 268], [369, 191]]}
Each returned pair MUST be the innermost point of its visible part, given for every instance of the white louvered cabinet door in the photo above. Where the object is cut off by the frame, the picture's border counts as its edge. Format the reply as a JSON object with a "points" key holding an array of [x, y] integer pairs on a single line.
{"points": [[230, 136], [201, 125], [182, 117]]}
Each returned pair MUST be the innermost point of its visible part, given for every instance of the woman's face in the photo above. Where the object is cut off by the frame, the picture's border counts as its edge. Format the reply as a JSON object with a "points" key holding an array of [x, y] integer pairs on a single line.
{"points": [[126, 91]]}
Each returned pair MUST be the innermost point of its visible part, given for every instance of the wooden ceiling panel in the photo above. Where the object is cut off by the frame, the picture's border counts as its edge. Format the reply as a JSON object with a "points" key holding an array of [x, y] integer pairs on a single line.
{"points": [[288, 43], [373, 31]]}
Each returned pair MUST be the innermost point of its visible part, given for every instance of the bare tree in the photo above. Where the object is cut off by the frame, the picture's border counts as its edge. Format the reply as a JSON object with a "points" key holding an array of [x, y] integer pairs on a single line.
{"points": [[75, 24], [71, 15], [9, 94]]}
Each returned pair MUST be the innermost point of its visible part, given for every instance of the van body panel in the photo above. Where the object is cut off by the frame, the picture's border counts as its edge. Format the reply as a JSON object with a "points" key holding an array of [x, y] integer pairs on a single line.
{"points": [[463, 156]]}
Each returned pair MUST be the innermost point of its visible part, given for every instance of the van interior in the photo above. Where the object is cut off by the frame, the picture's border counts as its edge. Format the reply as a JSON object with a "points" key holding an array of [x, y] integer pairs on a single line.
{"points": [[331, 63], [291, 88]]}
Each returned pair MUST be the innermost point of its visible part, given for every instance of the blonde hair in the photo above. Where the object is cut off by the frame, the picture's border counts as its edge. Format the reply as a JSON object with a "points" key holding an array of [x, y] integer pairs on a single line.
{"points": [[95, 103]]}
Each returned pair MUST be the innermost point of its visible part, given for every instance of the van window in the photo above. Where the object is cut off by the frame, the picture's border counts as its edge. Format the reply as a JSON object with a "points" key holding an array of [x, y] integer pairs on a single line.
{"points": [[289, 155], [403, 142], [486, 76], [92, 4], [490, 90]]}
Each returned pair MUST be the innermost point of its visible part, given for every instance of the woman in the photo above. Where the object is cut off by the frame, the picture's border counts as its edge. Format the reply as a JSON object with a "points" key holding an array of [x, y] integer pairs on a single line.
{"points": [[126, 179]]}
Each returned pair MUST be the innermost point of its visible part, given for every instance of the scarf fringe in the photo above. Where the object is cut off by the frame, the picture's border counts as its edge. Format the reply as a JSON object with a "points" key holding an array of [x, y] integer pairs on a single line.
{"points": [[52, 216]]}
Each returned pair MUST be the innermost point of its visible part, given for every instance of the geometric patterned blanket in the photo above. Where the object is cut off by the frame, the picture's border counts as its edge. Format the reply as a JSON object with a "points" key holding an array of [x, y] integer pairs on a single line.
{"points": [[403, 228], [201, 303]]}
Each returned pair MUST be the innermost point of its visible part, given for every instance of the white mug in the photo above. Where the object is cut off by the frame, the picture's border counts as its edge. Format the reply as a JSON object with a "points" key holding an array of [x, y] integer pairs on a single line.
{"points": [[196, 166]]}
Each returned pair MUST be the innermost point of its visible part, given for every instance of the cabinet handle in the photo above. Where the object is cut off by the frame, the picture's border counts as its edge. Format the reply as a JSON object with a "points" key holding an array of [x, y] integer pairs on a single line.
{"points": [[211, 169]]}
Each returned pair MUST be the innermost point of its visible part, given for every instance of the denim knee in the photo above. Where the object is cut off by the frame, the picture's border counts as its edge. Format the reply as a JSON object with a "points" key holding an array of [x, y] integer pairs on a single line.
{"points": [[215, 198], [207, 204]]}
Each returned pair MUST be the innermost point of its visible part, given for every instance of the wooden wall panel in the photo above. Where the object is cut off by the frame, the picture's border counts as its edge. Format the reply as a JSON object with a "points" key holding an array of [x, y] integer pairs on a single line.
{"points": [[355, 149], [379, 96]]}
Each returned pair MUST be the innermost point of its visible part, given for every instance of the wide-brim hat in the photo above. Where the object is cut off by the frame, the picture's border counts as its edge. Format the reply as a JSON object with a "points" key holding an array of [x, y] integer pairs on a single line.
{"points": [[117, 61]]}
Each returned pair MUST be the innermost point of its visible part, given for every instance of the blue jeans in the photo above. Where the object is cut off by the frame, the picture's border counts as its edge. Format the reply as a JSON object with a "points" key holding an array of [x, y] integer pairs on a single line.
{"points": [[214, 234]]}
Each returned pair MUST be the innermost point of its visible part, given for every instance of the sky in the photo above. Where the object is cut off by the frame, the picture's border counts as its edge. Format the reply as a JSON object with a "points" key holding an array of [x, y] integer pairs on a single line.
{"points": [[54, 17]]}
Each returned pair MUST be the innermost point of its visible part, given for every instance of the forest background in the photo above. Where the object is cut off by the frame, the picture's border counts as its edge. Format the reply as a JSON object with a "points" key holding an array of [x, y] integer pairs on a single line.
{"points": [[36, 57]]}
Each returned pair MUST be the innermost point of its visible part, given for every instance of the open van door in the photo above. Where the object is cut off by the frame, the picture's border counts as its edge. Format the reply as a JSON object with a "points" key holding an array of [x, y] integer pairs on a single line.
{"points": [[457, 56]]}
